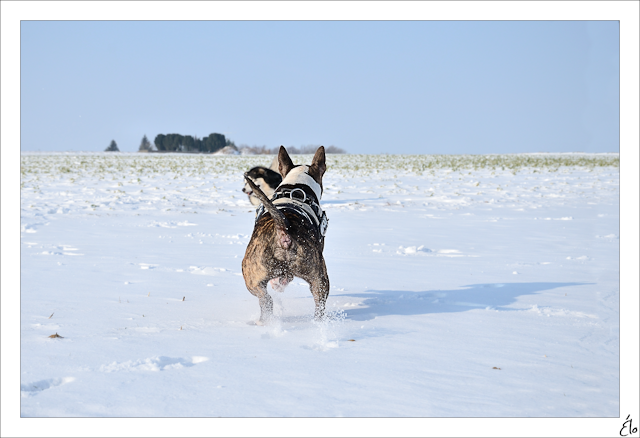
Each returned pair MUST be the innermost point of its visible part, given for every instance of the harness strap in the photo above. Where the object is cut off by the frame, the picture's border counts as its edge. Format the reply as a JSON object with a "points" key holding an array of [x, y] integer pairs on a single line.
{"points": [[303, 207], [308, 210], [304, 193]]}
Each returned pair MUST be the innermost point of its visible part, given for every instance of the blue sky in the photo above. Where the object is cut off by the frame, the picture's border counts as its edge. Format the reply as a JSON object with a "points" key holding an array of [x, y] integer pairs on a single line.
{"points": [[365, 86]]}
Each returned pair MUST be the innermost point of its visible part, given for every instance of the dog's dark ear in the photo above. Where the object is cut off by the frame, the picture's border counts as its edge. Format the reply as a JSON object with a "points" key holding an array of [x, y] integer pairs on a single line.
{"points": [[284, 162], [318, 165]]}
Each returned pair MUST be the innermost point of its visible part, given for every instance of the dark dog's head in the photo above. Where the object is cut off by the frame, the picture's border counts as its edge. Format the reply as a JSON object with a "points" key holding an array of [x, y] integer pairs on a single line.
{"points": [[266, 179], [300, 174]]}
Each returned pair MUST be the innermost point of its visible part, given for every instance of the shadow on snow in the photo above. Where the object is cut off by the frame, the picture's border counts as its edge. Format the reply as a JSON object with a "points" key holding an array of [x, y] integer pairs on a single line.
{"points": [[476, 296]]}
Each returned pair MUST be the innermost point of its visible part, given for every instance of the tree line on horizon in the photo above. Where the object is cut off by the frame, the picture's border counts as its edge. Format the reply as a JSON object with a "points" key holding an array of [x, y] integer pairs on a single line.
{"points": [[186, 143], [179, 143], [213, 143]]}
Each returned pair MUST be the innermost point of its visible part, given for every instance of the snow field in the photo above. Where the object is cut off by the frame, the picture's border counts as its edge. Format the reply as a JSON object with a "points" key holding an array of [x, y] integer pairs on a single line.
{"points": [[467, 286]]}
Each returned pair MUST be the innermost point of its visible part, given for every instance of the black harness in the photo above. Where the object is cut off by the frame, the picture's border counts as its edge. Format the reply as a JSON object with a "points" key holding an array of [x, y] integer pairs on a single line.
{"points": [[302, 201]]}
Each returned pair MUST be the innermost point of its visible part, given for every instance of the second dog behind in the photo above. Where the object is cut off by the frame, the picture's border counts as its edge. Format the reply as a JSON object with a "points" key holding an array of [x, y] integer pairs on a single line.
{"points": [[266, 179]]}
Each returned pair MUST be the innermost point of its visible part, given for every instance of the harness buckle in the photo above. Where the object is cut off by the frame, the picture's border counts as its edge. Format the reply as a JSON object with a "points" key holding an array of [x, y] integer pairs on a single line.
{"points": [[304, 195]]}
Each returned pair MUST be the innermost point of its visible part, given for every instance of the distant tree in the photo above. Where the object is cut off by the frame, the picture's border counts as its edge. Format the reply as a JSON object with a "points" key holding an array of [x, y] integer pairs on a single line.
{"points": [[145, 145], [167, 142], [177, 143], [159, 142], [172, 142], [205, 144], [113, 147], [197, 144], [214, 142], [188, 143], [219, 141]]}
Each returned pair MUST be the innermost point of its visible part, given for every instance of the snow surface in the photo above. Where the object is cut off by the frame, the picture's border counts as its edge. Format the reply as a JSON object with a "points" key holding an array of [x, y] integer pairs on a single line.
{"points": [[457, 290]]}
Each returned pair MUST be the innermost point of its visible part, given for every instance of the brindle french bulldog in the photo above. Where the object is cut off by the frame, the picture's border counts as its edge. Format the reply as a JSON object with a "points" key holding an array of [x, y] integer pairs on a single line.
{"points": [[288, 237]]}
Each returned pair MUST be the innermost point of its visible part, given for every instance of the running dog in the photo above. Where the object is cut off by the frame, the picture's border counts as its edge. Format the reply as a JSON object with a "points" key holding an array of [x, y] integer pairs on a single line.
{"points": [[266, 179], [288, 235]]}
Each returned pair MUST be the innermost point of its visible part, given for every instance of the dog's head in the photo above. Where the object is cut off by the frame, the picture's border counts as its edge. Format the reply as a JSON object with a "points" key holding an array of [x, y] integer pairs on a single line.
{"points": [[266, 179], [310, 176]]}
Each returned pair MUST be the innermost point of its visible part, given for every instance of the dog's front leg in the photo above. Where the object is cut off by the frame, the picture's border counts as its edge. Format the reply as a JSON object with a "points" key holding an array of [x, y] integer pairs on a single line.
{"points": [[266, 303]]}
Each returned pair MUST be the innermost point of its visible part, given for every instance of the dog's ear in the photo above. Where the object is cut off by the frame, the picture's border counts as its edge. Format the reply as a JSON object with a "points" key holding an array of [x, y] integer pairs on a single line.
{"points": [[318, 165], [284, 162]]}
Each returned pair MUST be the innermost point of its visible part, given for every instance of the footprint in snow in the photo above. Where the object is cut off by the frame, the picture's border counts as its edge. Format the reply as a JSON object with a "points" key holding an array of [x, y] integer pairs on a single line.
{"points": [[568, 218], [162, 224], [60, 210], [155, 363], [186, 224], [66, 250], [35, 388], [208, 270], [378, 247], [608, 236], [413, 250], [31, 228], [62, 250]]}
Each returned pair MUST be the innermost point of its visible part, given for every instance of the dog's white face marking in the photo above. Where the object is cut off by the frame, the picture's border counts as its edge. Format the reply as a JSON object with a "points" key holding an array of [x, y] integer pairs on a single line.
{"points": [[300, 175]]}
